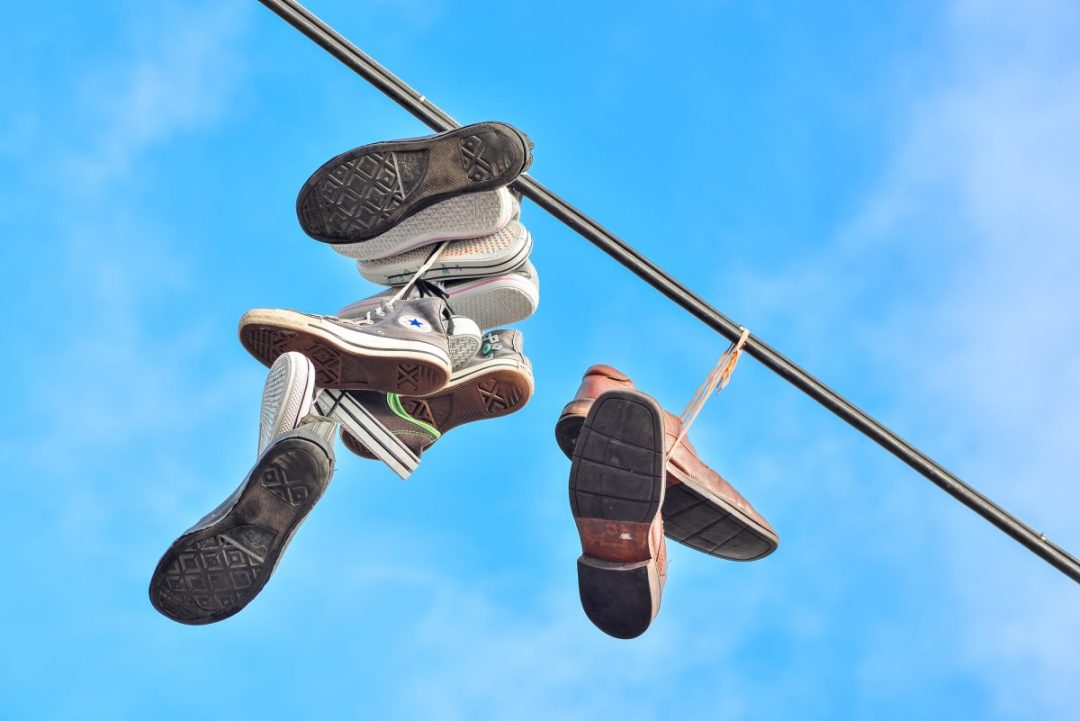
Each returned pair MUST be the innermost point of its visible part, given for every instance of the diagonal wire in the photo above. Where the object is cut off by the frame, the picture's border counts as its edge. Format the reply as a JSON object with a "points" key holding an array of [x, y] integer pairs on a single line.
{"points": [[355, 59]]}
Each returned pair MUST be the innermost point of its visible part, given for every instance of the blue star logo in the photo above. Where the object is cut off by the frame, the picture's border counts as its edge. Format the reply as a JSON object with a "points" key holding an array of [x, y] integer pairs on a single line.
{"points": [[416, 323]]}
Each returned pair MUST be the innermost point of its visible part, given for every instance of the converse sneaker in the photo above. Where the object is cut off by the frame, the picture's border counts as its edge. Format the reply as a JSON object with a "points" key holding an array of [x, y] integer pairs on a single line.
{"points": [[492, 302], [400, 347], [398, 429], [464, 216], [368, 190], [617, 484], [222, 562], [472, 258], [701, 509], [287, 396]]}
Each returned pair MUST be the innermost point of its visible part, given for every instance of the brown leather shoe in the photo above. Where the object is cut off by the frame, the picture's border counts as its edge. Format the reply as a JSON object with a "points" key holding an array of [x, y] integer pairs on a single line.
{"points": [[701, 509], [617, 485]]}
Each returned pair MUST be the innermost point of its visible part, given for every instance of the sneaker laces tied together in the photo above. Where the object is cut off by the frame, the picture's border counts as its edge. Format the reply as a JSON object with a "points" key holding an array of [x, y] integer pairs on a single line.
{"points": [[423, 288]]}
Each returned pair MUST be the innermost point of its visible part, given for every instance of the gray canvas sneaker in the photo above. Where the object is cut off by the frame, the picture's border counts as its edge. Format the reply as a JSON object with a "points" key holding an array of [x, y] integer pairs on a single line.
{"points": [[492, 302], [398, 429], [220, 564], [402, 346]]}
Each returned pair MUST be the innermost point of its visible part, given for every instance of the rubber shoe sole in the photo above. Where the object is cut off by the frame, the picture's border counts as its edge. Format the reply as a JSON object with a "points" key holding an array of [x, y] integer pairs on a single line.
{"points": [[693, 515], [214, 570], [489, 390], [698, 518], [617, 487], [287, 396], [344, 358], [368, 190]]}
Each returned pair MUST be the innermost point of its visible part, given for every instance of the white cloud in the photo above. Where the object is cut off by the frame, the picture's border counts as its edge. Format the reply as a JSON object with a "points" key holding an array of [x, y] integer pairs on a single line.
{"points": [[976, 328], [177, 74]]}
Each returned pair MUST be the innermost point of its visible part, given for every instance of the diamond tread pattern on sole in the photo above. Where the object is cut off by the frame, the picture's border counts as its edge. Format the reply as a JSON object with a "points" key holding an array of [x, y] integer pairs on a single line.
{"points": [[617, 472], [363, 191], [695, 521], [466, 403], [485, 156], [286, 482], [216, 574], [333, 368]]}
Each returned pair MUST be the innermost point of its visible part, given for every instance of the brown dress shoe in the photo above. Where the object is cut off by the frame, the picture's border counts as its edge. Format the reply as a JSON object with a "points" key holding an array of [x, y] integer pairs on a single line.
{"points": [[701, 509], [617, 486]]}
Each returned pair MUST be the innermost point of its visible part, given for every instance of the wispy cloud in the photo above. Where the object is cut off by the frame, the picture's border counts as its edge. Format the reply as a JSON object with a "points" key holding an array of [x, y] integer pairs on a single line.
{"points": [[977, 326], [177, 74]]}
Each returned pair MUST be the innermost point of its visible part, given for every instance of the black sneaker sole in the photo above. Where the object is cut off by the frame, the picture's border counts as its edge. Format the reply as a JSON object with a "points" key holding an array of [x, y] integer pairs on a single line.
{"points": [[212, 572], [368, 190], [617, 477]]}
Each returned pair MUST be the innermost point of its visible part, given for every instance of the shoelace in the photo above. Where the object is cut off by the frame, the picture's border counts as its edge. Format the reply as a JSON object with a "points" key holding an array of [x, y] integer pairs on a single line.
{"points": [[424, 287], [716, 381]]}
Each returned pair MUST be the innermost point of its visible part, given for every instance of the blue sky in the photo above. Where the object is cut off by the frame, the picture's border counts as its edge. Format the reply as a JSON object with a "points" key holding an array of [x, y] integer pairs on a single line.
{"points": [[888, 194]]}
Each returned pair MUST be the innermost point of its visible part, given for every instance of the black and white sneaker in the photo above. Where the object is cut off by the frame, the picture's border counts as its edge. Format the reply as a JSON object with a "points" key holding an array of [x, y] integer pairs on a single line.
{"points": [[368, 190], [222, 562]]}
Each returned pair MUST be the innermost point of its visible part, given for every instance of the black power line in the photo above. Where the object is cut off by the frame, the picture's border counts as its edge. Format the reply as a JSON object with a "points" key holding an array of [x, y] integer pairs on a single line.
{"points": [[326, 37]]}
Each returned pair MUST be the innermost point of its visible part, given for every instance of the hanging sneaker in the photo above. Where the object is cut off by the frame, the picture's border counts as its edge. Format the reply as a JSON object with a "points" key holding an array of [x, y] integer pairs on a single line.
{"points": [[617, 484], [368, 190], [495, 254], [287, 396], [222, 562], [493, 302], [398, 429], [465, 216], [464, 339], [701, 510], [400, 347]]}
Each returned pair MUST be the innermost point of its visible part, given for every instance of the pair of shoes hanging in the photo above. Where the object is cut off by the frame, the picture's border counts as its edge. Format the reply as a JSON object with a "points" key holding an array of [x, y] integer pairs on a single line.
{"points": [[634, 479]]}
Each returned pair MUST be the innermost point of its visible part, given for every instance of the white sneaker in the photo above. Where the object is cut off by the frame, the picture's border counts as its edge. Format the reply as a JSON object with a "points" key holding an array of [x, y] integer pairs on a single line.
{"points": [[287, 396], [465, 216], [490, 255], [464, 338], [494, 302]]}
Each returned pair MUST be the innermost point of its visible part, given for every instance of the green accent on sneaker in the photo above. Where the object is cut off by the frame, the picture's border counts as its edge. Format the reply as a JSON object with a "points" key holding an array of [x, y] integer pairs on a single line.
{"points": [[394, 401]]}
